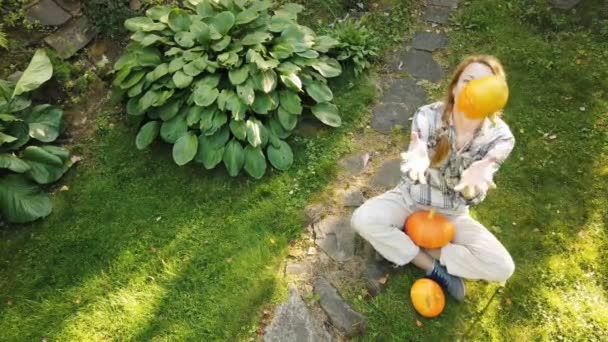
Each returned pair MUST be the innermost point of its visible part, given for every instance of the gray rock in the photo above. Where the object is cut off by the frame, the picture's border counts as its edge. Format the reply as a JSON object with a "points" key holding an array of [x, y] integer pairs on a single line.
{"points": [[47, 13], [335, 236], [341, 315], [293, 322], [564, 4], [315, 212], [72, 6], [355, 163], [443, 3], [420, 64], [297, 269], [385, 116], [404, 90], [72, 37], [376, 272], [436, 14], [14, 77], [354, 198], [388, 176], [429, 41]]}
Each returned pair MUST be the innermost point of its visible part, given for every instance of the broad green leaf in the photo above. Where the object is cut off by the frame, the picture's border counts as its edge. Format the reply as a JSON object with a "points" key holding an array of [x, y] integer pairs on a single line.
{"points": [[13, 163], [162, 97], [5, 138], [223, 22], [171, 130], [287, 120], [246, 16], [301, 37], [133, 79], [310, 54], [278, 23], [206, 121], [168, 110], [282, 50], [195, 67], [228, 59], [44, 122], [19, 103], [255, 38], [205, 95], [8, 117], [147, 100], [133, 107], [327, 113], [47, 163], [158, 72], [18, 134], [290, 10], [211, 80], [201, 32], [22, 201], [238, 75], [194, 115], [211, 148], [280, 157], [287, 68], [37, 72], [159, 13], [238, 129], [151, 39], [234, 158], [179, 20], [325, 43], [144, 24], [219, 120], [184, 39], [319, 91], [328, 67], [238, 108], [256, 133], [185, 149], [290, 101], [205, 10], [121, 76], [181, 80], [262, 103], [265, 81], [147, 134], [246, 93], [277, 128], [222, 44], [255, 162], [176, 64], [292, 81]]}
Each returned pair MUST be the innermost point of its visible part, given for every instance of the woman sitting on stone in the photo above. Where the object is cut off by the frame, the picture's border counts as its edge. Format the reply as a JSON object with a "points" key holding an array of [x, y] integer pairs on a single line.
{"points": [[448, 167]]}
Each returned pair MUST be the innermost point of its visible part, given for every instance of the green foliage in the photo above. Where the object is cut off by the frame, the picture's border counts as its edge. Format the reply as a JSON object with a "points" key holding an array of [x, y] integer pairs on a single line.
{"points": [[21, 200], [108, 15], [226, 81], [358, 45], [3, 38]]}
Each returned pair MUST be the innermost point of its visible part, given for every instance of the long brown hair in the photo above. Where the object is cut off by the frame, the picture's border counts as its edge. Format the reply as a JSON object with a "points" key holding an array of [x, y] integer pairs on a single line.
{"points": [[443, 145]]}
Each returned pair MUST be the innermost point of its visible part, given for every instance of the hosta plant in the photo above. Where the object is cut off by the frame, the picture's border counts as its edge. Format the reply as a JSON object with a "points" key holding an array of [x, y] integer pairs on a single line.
{"points": [[26, 158], [226, 81]]}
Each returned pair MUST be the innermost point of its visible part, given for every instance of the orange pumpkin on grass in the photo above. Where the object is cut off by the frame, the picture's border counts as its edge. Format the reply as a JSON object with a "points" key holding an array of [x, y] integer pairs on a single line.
{"points": [[427, 297], [429, 229]]}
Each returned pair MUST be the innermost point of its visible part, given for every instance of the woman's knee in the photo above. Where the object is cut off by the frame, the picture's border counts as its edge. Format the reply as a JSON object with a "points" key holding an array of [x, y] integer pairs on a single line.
{"points": [[504, 270]]}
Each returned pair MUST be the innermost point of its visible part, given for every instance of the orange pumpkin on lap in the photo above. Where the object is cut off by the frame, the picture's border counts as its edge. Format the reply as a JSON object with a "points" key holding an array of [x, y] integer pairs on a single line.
{"points": [[429, 229]]}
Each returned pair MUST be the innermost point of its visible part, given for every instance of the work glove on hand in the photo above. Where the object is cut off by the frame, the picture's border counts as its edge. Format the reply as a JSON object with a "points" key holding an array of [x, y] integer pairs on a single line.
{"points": [[477, 179], [416, 160]]}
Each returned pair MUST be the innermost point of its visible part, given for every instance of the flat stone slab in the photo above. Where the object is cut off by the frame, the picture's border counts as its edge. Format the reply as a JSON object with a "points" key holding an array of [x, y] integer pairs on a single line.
{"points": [[405, 90], [355, 163], [429, 41], [419, 64], [385, 116], [376, 272], [72, 37], [293, 322], [443, 3], [437, 15], [72, 6], [341, 315], [388, 176], [564, 4], [353, 198], [335, 236], [297, 269], [47, 13]]}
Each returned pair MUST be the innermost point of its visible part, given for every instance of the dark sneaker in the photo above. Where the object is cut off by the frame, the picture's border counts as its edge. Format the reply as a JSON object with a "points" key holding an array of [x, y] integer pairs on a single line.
{"points": [[452, 284]]}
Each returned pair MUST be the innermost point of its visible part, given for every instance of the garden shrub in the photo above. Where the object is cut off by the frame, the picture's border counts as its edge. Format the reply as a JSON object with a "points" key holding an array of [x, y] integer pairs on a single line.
{"points": [[226, 81], [26, 158], [358, 46]]}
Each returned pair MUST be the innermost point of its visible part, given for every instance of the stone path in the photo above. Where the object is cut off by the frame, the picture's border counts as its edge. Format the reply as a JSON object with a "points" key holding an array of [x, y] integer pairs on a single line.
{"points": [[334, 257]]}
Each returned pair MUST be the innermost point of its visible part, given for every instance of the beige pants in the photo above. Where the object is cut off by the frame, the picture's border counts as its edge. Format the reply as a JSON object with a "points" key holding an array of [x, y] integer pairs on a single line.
{"points": [[473, 253]]}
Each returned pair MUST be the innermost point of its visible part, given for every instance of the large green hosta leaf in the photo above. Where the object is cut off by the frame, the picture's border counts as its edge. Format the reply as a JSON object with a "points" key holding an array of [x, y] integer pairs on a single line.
{"points": [[146, 135], [171, 130], [319, 91], [223, 22], [144, 24], [255, 162], [44, 122], [37, 72], [327, 113], [280, 157], [47, 163], [234, 158], [179, 20], [15, 135], [290, 101], [211, 148], [185, 149], [256, 133], [328, 67], [13, 163], [22, 201]]}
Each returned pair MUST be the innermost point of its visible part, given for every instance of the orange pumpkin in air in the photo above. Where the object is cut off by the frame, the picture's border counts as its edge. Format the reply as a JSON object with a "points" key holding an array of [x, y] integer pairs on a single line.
{"points": [[483, 96], [427, 297], [429, 229]]}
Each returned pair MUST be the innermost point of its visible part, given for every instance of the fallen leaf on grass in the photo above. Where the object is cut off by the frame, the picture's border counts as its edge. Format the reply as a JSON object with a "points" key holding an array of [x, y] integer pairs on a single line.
{"points": [[418, 323], [509, 301], [64, 188], [383, 280]]}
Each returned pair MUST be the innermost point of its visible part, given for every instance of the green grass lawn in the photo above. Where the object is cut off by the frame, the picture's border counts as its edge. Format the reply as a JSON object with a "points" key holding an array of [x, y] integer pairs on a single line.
{"points": [[551, 206], [141, 249]]}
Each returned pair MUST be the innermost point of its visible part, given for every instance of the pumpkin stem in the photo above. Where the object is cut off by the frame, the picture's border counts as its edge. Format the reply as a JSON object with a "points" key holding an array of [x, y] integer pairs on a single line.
{"points": [[431, 214]]}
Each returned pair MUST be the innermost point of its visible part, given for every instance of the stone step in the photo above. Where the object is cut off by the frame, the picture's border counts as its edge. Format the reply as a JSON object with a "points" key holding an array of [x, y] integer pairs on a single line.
{"points": [[443, 3], [429, 41], [397, 105], [437, 15], [387, 176], [354, 164], [419, 64], [341, 314], [72, 37], [293, 322], [334, 235], [47, 13]]}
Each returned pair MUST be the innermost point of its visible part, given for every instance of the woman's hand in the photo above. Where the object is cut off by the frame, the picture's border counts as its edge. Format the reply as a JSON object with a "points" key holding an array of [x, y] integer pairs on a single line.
{"points": [[477, 179], [415, 160]]}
